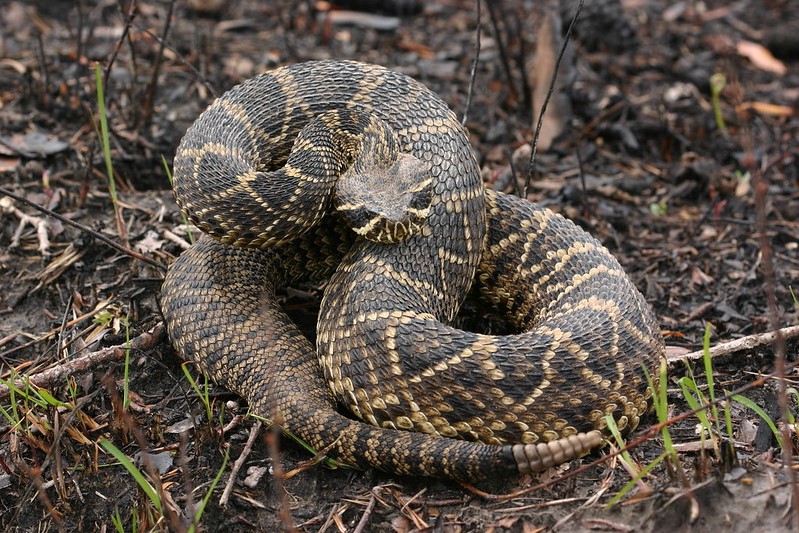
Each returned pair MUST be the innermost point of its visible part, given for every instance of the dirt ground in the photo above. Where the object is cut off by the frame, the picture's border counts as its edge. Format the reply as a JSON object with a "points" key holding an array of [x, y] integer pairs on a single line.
{"points": [[644, 164]]}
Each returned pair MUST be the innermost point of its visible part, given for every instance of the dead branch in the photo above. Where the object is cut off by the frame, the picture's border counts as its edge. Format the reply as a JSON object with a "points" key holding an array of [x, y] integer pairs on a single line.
{"points": [[255, 430], [494, 17], [149, 101], [476, 62], [545, 103], [364, 521], [145, 341], [738, 345]]}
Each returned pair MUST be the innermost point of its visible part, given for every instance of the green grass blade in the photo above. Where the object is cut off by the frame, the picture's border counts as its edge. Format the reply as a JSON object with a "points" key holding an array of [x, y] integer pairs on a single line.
{"points": [[661, 402], [145, 485], [199, 512], [695, 401], [13, 422], [41, 397], [104, 135], [116, 520], [746, 402], [126, 369], [630, 484], [708, 363], [203, 395], [728, 420], [614, 430], [328, 462], [189, 233]]}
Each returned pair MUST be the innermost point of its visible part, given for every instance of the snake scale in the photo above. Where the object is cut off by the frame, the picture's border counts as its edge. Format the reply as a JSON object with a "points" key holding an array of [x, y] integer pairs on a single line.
{"points": [[275, 170]]}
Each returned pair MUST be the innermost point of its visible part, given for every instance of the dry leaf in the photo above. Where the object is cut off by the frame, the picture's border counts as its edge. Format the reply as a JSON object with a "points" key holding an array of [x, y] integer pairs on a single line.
{"points": [[507, 522], [400, 524], [527, 527], [161, 461], [150, 243], [34, 145], [364, 20], [747, 431], [675, 352], [760, 57], [698, 277], [181, 425]]}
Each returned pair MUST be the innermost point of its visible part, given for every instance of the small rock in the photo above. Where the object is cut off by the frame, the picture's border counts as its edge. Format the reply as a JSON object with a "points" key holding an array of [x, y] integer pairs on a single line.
{"points": [[254, 475]]}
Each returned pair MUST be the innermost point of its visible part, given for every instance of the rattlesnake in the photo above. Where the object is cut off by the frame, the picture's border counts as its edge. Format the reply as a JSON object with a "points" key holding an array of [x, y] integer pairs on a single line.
{"points": [[479, 405]]}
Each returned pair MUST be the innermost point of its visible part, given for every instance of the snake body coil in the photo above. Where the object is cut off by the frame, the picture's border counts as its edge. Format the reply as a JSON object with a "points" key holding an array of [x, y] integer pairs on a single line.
{"points": [[263, 171]]}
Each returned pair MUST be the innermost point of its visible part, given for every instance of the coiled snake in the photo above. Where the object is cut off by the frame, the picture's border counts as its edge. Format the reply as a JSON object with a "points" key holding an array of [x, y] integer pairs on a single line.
{"points": [[274, 168]]}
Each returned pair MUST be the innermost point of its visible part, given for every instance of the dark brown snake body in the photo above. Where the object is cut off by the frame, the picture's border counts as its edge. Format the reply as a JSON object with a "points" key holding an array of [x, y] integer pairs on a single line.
{"points": [[478, 405]]}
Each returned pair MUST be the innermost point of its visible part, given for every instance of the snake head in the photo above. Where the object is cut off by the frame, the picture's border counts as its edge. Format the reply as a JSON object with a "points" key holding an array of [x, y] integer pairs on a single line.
{"points": [[385, 203]]}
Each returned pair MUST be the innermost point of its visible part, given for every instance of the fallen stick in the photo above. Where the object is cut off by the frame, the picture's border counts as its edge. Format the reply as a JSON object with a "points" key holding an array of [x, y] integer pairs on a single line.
{"points": [[145, 341], [738, 345], [234, 472]]}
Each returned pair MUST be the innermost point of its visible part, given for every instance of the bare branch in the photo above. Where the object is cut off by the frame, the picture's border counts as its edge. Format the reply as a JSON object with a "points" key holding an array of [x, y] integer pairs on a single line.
{"points": [[145, 341], [474, 65], [743, 344], [551, 90]]}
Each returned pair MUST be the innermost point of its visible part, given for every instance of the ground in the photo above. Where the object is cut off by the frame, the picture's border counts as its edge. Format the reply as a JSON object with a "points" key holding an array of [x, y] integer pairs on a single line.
{"points": [[696, 194]]}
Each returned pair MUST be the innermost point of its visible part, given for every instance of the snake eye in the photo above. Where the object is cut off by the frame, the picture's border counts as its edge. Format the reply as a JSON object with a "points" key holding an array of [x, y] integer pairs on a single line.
{"points": [[358, 217]]}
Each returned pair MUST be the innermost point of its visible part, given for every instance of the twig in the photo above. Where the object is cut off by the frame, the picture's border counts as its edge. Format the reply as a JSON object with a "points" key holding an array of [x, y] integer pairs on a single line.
{"points": [[145, 341], [39, 224], [126, 29], [34, 475], [476, 61], [366, 514], [183, 463], [272, 441], [149, 102], [46, 335], [234, 423], [180, 58], [747, 343], [87, 230], [550, 92], [520, 56], [760, 185], [503, 55], [45, 464], [255, 430]]}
